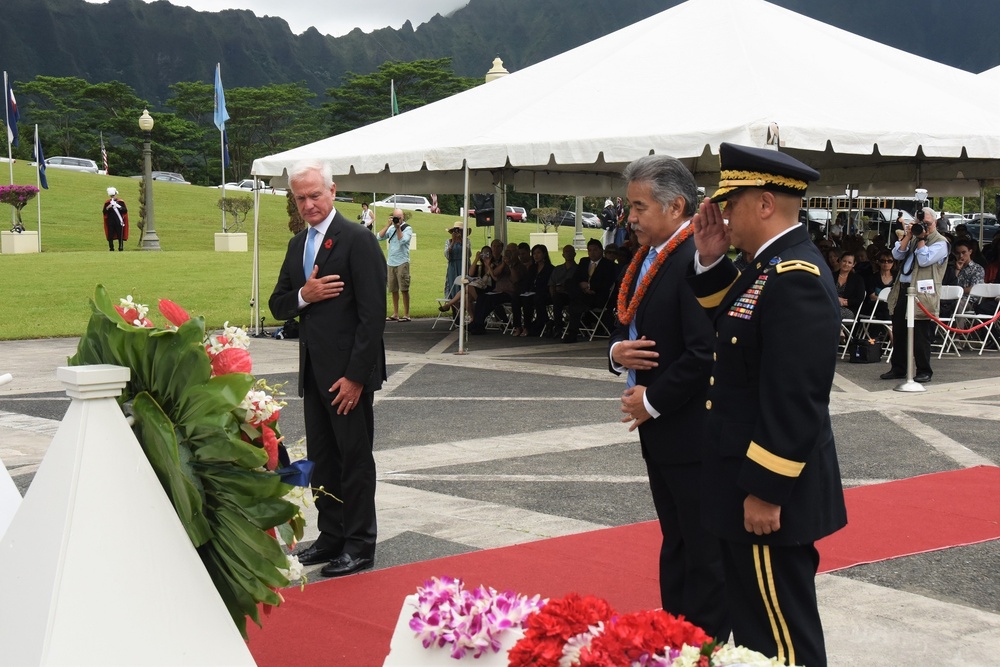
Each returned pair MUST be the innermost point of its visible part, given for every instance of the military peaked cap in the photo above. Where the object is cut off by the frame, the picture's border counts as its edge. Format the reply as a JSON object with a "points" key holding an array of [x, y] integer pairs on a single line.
{"points": [[767, 168]]}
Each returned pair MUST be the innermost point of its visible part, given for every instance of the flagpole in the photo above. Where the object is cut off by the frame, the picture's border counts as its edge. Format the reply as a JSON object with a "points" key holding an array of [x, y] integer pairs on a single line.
{"points": [[38, 184], [220, 118], [6, 116]]}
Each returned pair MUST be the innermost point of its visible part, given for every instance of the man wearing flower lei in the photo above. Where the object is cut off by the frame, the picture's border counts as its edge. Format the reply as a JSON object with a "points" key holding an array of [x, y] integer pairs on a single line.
{"points": [[333, 279], [770, 456], [663, 342]]}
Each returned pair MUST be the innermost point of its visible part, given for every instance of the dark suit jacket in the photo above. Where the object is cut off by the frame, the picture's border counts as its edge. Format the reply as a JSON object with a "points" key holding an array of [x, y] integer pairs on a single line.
{"points": [[339, 337], [601, 282], [671, 315], [769, 430]]}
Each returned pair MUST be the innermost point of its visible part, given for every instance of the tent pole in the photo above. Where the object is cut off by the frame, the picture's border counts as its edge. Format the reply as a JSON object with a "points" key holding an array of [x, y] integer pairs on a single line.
{"points": [[465, 262], [255, 277], [982, 211]]}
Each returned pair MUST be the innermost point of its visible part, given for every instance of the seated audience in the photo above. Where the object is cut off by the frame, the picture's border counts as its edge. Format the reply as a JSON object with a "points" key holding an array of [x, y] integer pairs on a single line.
{"points": [[590, 287], [559, 282], [850, 286], [535, 301]]}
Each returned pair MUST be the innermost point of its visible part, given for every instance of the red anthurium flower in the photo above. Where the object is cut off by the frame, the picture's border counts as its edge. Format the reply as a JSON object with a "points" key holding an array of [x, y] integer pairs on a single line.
{"points": [[174, 313], [231, 360], [328, 244], [131, 315], [270, 446]]}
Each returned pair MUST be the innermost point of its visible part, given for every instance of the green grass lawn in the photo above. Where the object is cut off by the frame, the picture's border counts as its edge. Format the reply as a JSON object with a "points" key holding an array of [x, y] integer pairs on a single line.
{"points": [[46, 295]]}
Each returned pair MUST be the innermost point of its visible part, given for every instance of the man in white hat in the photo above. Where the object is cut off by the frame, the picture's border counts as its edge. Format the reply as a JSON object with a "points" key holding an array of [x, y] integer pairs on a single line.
{"points": [[115, 220]]}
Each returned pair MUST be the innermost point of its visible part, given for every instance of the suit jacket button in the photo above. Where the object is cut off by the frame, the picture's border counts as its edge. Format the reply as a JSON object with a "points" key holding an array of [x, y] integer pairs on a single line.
{"points": [[711, 381], [734, 340], [715, 357], [708, 405]]}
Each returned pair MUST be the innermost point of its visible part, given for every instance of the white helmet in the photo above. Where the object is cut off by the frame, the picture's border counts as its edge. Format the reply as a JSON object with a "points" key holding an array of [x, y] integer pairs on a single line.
{"points": [[112, 192]]}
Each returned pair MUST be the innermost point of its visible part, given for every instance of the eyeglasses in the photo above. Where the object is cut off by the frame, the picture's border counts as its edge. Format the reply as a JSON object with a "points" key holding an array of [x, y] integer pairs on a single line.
{"points": [[885, 261]]}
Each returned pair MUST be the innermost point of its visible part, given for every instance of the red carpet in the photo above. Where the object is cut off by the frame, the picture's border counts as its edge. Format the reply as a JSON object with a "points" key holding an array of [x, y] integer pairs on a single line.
{"points": [[349, 622]]}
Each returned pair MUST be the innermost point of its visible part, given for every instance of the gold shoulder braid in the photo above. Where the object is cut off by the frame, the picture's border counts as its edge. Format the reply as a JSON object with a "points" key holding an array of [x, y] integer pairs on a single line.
{"points": [[798, 265]]}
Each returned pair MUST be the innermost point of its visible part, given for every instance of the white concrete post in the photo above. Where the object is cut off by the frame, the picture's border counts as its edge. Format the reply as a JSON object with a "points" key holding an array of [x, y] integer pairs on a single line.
{"points": [[96, 568]]}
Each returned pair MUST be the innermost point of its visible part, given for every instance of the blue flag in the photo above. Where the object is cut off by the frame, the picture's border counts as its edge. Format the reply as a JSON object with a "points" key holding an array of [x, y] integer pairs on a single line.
{"points": [[221, 115], [12, 115], [39, 157]]}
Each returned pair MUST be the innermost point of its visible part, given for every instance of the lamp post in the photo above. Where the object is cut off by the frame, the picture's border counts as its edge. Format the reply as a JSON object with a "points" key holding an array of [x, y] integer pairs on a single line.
{"points": [[909, 384], [150, 241]]}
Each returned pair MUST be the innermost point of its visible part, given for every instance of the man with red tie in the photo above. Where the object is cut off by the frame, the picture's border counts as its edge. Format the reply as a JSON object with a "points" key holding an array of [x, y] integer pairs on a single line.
{"points": [[333, 279]]}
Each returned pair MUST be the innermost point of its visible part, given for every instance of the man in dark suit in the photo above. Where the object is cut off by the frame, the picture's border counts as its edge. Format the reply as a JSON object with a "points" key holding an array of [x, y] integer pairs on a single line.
{"points": [[772, 478], [589, 288], [333, 278], [664, 342]]}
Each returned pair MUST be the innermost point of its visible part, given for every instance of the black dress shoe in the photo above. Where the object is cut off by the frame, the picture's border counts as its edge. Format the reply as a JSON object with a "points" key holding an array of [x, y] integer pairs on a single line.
{"points": [[891, 375], [346, 564], [316, 554], [923, 377]]}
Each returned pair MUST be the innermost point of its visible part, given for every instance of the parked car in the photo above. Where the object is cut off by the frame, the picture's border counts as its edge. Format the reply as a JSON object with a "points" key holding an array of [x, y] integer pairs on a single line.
{"points": [[517, 214], [169, 176], [246, 185], [815, 219], [568, 219], [951, 220], [405, 202], [72, 163], [989, 230]]}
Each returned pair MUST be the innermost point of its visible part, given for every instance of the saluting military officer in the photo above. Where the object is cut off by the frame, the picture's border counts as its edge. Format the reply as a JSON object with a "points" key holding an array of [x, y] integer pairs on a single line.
{"points": [[770, 462]]}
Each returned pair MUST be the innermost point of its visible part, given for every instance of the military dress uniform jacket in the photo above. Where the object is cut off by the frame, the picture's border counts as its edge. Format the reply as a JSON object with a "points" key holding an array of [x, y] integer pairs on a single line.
{"points": [[670, 315], [769, 430]]}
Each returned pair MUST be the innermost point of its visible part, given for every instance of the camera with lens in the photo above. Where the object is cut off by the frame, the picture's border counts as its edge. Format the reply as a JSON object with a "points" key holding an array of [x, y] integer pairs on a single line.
{"points": [[917, 228], [396, 220]]}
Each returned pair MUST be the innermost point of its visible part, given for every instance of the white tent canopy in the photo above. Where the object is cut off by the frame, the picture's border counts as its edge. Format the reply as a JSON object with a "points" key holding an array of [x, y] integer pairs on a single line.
{"points": [[680, 83]]}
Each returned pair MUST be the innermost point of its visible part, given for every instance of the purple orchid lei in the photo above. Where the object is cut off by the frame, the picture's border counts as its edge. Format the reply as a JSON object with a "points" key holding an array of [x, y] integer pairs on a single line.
{"points": [[471, 622]]}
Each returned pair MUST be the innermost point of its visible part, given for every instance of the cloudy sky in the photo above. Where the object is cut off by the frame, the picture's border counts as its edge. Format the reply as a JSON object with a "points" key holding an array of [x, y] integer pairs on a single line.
{"points": [[335, 17]]}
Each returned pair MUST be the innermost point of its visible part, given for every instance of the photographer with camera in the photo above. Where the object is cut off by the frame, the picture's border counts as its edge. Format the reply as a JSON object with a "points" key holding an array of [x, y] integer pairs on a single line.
{"points": [[398, 235], [922, 254], [367, 217]]}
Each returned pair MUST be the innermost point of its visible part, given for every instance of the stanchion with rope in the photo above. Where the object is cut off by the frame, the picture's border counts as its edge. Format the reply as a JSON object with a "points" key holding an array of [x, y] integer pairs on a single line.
{"points": [[909, 384]]}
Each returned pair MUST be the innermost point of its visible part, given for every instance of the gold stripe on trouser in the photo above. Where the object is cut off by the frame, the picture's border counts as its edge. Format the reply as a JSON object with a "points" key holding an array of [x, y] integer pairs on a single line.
{"points": [[765, 580]]}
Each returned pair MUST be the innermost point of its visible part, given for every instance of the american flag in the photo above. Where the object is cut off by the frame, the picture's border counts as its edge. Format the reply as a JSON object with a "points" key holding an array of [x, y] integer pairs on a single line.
{"points": [[104, 154]]}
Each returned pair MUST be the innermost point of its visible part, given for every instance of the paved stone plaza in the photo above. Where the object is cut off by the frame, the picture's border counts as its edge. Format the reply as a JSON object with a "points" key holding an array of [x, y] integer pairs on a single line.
{"points": [[519, 440]]}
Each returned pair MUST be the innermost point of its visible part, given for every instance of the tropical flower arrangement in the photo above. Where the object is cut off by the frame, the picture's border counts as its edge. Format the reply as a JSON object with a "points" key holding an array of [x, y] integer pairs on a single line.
{"points": [[470, 622], [17, 196], [573, 631], [210, 432]]}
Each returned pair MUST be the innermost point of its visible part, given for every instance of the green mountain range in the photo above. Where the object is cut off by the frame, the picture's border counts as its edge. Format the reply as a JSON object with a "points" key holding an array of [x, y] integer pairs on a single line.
{"points": [[151, 46]]}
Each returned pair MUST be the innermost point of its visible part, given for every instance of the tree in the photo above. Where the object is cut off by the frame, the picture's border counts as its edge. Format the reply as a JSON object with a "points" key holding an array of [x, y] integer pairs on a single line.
{"points": [[238, 207], [268, 120], [365, 98]]}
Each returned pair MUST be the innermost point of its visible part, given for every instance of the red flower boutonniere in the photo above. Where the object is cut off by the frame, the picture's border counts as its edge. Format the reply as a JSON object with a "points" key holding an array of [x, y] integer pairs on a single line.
{"points": [[626, 309], [328, 244]]}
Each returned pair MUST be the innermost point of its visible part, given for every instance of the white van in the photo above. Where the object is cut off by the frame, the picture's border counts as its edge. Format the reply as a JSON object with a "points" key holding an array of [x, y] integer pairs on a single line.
{"points": [[405, 202]]}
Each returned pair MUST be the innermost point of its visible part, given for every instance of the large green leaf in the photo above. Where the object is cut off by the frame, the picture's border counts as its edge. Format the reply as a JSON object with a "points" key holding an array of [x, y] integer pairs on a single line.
{"points": [[189, 426], [156, 434], [231, 450]]}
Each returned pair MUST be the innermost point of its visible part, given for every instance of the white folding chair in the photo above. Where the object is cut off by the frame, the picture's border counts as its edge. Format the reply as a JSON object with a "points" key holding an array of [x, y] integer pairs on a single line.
{"points": [[867, 323], [949, 293], [597, 315], [847, 327], [443, 316], [969, 318]]}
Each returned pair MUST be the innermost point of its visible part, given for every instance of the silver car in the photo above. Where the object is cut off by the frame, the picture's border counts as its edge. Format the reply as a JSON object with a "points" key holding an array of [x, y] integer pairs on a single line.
{"points": [[72, 163]]}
